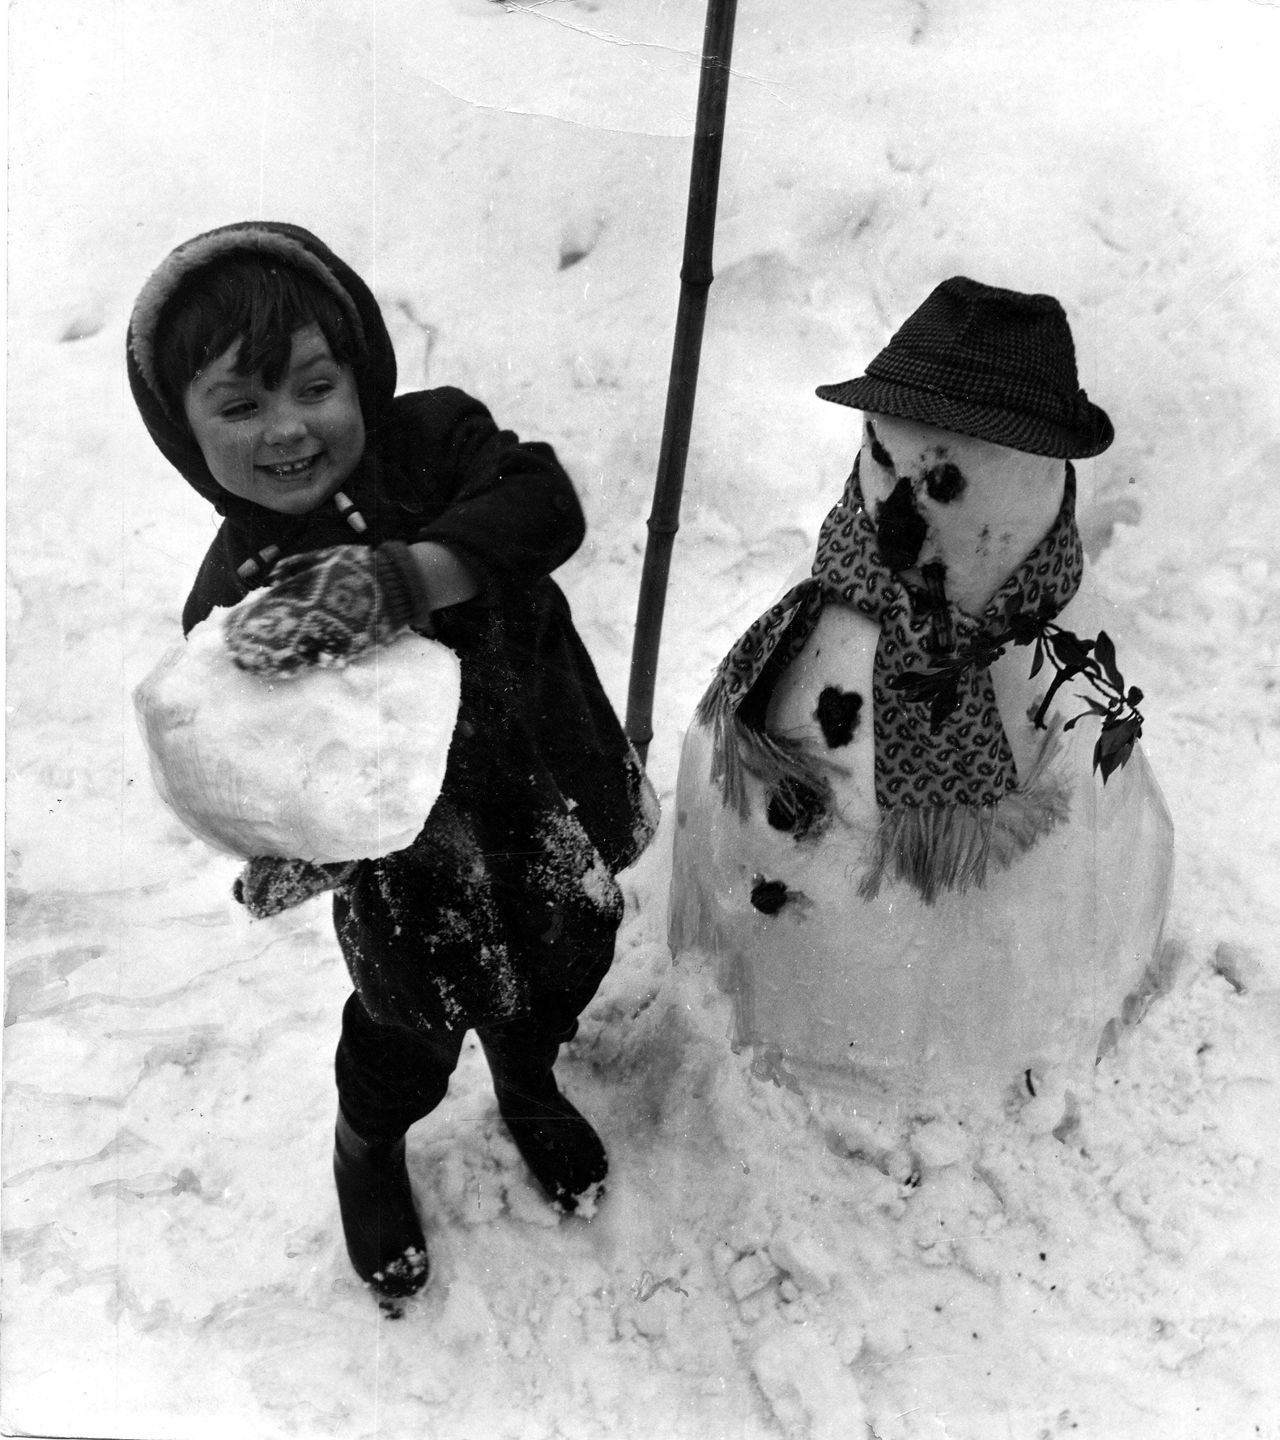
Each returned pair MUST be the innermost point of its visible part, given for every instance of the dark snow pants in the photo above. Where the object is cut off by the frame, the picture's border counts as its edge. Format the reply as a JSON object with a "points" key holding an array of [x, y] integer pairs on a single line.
{"points": [[389, 1076]]}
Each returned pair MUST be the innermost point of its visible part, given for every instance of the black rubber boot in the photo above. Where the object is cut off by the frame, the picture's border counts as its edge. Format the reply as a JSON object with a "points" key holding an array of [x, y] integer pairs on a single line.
{"points": [[557, 1142], [383, 1234]]}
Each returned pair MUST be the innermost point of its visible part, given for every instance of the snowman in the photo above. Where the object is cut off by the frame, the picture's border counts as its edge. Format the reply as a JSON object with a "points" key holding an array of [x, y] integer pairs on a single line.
{"points": [[915, 826]]}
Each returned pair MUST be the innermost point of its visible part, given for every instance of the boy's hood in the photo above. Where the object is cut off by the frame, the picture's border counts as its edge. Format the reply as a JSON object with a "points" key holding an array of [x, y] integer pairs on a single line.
{"points": [[375, 375]]}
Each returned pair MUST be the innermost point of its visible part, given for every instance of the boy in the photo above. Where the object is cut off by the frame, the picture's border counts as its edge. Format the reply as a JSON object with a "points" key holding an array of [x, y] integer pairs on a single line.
{"points": [[264, 372]]}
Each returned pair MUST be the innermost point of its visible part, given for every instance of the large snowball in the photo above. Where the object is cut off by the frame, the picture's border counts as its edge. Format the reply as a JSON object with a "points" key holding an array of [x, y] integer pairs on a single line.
{"points": [[328, 765]]}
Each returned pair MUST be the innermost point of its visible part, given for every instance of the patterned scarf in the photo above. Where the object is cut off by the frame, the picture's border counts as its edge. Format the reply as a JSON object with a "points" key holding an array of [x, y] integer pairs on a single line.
{"points": [[947, 790]]}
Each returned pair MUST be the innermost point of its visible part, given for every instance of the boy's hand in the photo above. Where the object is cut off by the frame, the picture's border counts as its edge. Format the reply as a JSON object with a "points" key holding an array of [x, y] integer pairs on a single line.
{"points": [[267, 884], [326, 607]]}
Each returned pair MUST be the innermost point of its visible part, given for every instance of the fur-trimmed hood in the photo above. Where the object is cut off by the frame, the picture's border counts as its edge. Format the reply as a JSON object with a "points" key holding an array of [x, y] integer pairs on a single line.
{"points": [[375, 370]]}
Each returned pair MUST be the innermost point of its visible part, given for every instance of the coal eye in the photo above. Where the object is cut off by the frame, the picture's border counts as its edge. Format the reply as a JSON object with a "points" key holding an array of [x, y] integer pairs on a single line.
{"points": [[944, 483]]}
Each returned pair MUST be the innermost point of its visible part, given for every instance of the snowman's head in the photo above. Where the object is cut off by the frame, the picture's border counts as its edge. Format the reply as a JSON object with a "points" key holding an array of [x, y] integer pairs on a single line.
{"points": [[974, 507]]}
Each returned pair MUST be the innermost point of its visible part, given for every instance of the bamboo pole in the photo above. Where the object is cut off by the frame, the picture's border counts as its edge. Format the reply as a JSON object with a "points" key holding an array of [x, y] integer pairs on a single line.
{"points": [[695, 281]]}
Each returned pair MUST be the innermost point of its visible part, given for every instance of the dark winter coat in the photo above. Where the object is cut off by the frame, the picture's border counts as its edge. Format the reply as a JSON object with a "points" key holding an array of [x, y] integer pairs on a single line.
{"points": [[509, 887]]}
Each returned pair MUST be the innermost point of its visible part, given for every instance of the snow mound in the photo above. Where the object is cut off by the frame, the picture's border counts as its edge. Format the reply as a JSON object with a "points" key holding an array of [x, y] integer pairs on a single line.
{"points": [[330, 765]]}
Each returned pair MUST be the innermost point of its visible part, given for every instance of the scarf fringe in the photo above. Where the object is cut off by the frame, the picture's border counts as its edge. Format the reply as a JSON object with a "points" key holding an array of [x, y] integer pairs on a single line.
{"points": [[953, 847], [933, 848], [782, 766]]}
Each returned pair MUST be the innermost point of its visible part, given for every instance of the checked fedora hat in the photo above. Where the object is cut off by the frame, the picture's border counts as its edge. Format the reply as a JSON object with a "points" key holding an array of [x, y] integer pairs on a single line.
{"points": [[993, 364]]}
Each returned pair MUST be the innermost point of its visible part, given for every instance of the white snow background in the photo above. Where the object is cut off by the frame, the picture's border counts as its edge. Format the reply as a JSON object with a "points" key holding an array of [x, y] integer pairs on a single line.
{"points": [[512, 178]]}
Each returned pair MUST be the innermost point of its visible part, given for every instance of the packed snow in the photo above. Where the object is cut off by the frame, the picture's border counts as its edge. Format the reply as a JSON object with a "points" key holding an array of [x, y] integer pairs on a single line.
{"points": [[999, 960], [334, 763], [511, 179]]}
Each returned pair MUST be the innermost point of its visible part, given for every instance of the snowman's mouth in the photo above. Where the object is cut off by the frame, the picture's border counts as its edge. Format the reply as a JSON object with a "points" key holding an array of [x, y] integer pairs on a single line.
{"points": [[900, 528]]}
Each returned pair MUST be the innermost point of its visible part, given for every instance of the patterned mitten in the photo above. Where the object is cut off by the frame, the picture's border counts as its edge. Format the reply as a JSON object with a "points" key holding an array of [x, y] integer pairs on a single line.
{"points": [[267, 884], [326, 607]]}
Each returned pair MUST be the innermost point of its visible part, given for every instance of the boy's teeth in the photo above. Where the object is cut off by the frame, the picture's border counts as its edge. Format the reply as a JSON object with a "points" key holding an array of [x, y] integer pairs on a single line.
{"points": [[294, 467]]}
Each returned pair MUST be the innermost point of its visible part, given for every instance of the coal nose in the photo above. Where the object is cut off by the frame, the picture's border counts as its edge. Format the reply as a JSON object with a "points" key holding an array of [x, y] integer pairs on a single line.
{"points": [[900, 528]]}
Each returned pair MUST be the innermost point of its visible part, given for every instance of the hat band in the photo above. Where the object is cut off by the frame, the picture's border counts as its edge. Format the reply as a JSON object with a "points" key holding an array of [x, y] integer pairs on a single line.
{"points": [[1011, 394]]}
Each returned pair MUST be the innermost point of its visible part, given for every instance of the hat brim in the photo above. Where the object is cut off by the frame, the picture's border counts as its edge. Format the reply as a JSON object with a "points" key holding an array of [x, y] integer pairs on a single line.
{"points": [[1032, 434]]}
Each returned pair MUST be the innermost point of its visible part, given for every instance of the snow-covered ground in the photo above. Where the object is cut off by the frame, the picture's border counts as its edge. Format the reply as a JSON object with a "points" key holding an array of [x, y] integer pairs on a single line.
{"points": [[511, 177]]}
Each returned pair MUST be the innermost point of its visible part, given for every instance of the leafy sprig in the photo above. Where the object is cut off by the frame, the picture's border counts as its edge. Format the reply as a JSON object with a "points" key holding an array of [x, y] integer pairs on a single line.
{"points": [[1070, 658]]}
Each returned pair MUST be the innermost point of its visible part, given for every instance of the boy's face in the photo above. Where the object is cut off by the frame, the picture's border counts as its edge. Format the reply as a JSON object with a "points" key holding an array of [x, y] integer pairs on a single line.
{"points": [[286, 449]]}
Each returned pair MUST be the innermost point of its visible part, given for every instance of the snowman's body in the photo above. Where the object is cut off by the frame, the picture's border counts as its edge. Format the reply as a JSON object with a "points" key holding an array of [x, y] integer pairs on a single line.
{"points": [[1012, 982]]}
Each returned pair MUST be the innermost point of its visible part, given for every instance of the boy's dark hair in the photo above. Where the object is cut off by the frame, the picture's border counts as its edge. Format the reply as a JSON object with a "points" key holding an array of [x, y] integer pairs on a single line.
{"points": [[260, 302]]}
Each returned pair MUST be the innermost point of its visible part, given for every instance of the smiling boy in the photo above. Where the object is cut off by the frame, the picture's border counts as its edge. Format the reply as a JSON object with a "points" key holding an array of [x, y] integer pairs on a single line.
{"points": [[264, 372], [288, 446]]}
